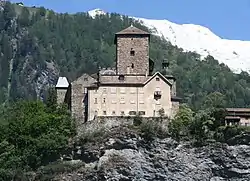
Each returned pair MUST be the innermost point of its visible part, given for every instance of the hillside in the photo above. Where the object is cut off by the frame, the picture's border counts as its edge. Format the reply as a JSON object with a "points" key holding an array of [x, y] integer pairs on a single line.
{"points": [[38, 45], [199, 39]]}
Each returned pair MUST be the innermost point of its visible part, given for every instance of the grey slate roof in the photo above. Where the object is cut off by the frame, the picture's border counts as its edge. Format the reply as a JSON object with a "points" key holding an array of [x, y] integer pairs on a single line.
{"points": [[132, 31], [62, 82]]}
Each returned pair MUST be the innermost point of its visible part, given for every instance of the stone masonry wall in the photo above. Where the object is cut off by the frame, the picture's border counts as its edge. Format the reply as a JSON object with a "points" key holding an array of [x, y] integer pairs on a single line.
{"points": [[61, 95], [79, 96], [175, 108], [111, 122], [140, 60]]}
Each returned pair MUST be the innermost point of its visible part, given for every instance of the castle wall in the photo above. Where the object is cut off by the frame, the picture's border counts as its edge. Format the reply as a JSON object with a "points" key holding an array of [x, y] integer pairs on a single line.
{"points": [[120, 100], [79, 97], [61, 95], [140, 45], [175, 108]]}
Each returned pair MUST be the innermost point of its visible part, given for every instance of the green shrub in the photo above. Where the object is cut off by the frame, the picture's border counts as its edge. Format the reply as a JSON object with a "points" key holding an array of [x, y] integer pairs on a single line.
{"points": [[48, 172], [152, 129], [137, 120]]}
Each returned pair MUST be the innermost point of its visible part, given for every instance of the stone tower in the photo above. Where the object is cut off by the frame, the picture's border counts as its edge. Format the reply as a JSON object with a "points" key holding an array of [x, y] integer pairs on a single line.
{"points": [[132, 51], [63, 91]]}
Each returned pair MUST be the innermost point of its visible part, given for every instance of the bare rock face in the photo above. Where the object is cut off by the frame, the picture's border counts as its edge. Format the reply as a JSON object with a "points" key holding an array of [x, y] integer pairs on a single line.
{"points": [[125, 156]]}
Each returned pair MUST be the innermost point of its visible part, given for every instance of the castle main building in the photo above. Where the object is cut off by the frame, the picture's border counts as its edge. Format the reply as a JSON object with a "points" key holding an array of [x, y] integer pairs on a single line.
{"points": [[128, 90]]}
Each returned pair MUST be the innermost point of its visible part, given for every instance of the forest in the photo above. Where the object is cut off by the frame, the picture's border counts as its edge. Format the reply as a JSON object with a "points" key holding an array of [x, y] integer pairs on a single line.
{"points": [[38, 45]]}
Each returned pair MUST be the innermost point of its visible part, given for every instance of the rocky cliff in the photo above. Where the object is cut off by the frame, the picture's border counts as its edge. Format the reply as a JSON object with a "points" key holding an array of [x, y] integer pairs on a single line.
{"points": [[124, 155]]}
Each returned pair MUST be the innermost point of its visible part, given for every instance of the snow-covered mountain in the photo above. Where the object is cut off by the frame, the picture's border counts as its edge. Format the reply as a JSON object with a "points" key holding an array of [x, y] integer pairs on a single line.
{"points": [[199, 39]]}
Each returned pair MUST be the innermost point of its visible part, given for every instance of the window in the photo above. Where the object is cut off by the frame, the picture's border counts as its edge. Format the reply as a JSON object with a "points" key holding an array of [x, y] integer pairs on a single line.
{"points": [[122, 113], [141, 102], [104, 112], [122, 90], [113, 113], [157, 79], [132, 52], [132, 102], [85, 79], [132, 66], [158, 102], [104, 90], [104, 100], [132, 113], [132, 90], [113, 90], [122, 101], [121, 77], [142, 113], [113, 101], [95, 100], [141, 90]]}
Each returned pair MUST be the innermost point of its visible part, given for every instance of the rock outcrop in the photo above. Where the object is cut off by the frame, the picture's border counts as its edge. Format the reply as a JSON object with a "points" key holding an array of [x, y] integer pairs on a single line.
{"points": [[122, 155]]}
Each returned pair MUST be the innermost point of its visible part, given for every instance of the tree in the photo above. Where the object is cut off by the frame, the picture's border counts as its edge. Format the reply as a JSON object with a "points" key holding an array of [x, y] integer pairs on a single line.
{"points": [[214, 100], [24, 18], [51, 99], [179, 126]]}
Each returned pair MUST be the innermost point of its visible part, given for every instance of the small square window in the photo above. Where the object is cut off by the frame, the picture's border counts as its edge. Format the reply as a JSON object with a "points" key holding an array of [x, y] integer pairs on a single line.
{"points": [[132, 113], [113, 113], [132, 53], [157, 79], [104, 112], [105, 90], [122, 101], [132, 102], [85, 79], [121, 77], [132, 90], [141, 102], [113, 101], [122, 90], [113, 90], [122, 113], [142, 113]]}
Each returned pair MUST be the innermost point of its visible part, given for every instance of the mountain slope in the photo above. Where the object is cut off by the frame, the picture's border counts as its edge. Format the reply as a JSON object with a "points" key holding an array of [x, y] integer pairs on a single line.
{"points": [[38, 45], [199, 39]]}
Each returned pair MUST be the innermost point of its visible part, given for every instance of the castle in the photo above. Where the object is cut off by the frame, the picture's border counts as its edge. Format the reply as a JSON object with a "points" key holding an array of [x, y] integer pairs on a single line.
{"points": [[130, 89]]}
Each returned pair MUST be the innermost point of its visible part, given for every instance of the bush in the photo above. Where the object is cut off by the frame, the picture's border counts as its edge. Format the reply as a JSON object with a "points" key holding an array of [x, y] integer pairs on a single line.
{"points": [[50, 171], [180, 125], [137, 121], [33, 136], [95, 135], [152, 129]]}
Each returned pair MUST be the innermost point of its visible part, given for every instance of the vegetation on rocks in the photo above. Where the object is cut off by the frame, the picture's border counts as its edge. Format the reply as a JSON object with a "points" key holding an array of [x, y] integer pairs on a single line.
{"points": [[32, 135]]}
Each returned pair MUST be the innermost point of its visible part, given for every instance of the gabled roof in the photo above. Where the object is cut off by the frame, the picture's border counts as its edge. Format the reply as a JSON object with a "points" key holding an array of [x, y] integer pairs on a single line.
{"points": [[84, 79], [62, 82], [132, 31], [160, 75]]}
